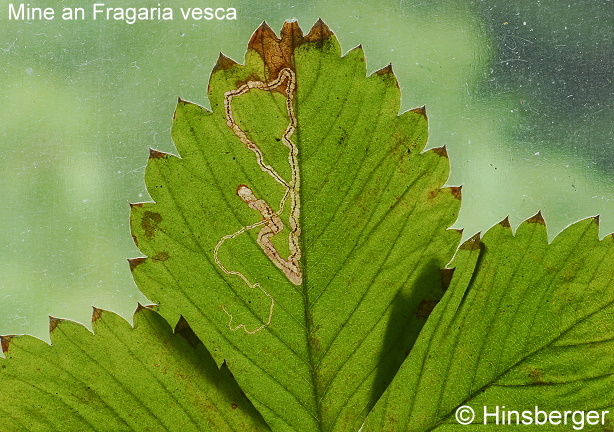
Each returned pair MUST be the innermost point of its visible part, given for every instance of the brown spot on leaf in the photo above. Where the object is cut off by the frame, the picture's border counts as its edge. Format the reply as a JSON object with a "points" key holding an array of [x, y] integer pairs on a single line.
{"points": [[446, 277], [96, 314], [472, 244], [150, 222], [441, 151], [155, 154], [535, 376], [425, 308], [234, 406], [223, 63], [160, 256], [135, 262], [505, 223], [537, 219]]}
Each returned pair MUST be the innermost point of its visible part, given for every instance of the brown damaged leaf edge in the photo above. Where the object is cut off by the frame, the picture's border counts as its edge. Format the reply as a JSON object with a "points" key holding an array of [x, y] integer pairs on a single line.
{"points": [[446, 277], [53, 323], [5, 341], [223, 63], [441, 151], [456, 191], [537, 219], [472, 244], [505, 223], [135, 262], [278, 52], [156, 154], [96, 314], [420, 110]]}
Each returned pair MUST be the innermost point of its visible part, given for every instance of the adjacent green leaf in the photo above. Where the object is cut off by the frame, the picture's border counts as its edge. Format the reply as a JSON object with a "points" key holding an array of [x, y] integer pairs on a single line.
{"points": [[313, 349], [119, 379], [532, 324]]}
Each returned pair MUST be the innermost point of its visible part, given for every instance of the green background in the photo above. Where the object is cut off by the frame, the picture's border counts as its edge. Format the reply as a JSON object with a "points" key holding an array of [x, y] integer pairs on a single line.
{"points": [[519, 93]]}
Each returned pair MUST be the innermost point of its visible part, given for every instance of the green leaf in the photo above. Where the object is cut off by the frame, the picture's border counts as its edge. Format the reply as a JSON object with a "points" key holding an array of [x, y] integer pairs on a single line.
{"points": [[524, 324], [119, 378], [313, 319]]}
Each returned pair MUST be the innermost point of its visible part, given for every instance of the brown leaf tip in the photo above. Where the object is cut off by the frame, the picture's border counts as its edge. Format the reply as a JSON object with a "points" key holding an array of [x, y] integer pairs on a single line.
{"points": [[472, 244], [292, 31], [446, 277], [456, 192], [4, 341], [596, 220], [96, 314], [156, 154], [420, 110], [53, 323], [141, 307], [505, 222], [319, 32], [182, 325], [263, 34], [441, 151], [537, 219], [386, 70], [135, 262], [223, 63]]}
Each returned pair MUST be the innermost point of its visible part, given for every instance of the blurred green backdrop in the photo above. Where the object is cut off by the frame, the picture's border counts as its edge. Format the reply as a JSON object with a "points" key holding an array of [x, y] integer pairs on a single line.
{"points": [[519, 92]]}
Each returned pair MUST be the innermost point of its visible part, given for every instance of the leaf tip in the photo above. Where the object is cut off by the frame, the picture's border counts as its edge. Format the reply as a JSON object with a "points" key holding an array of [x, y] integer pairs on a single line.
{"points": [[223, 63], [537, 219], [140, 307], [156, 154], [135, 262], [263, 34], [184, 329], [292, 32], [319, 32], [596, 220], [53, 323], [96, 313], [446, 277], [457, 192], [441, 151], [420, 110], [385, 70], [472, 244], [4, 342], [505, 222]]}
